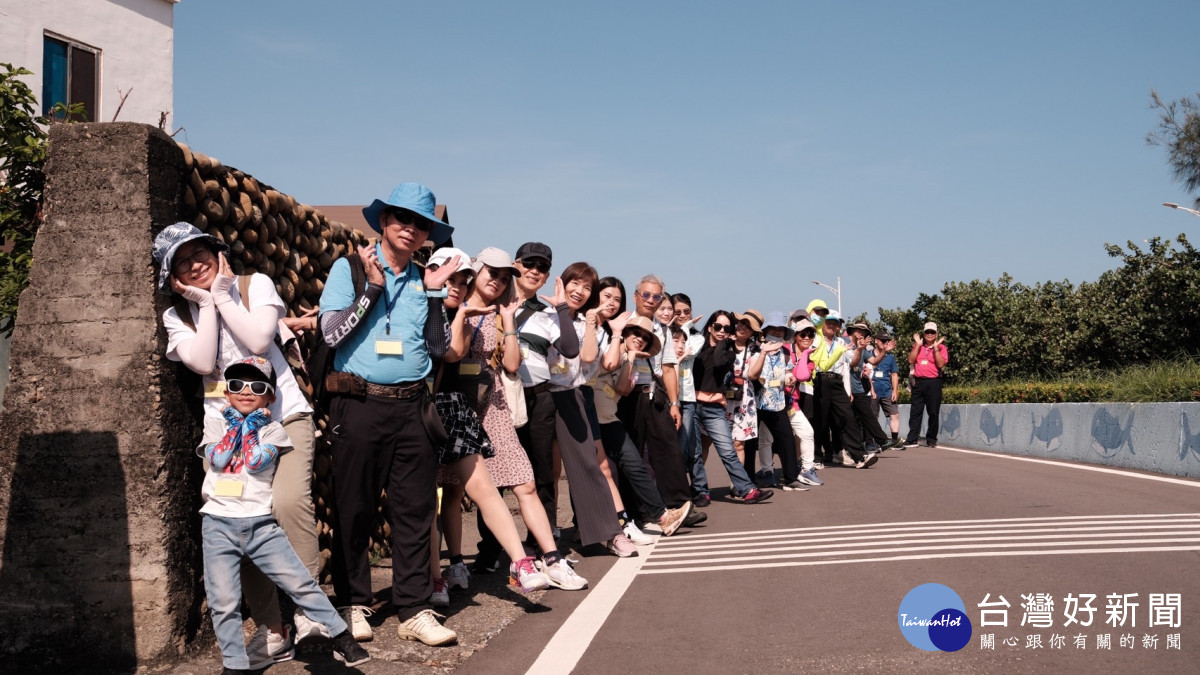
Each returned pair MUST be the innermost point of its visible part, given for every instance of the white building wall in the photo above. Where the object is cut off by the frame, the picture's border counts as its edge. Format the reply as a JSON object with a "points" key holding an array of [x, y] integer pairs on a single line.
{"points": [[136, 39]]}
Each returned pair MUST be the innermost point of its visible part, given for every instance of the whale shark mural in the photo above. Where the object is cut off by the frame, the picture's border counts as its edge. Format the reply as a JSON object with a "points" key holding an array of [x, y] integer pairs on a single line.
{"points": [[1049, 431], [951, 423], [1107, 435], [992, 428], [1187, 442]]}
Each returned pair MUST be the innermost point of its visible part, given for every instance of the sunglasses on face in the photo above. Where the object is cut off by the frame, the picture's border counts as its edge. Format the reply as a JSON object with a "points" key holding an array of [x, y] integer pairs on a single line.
{"points": [[258, 388], [405, 217], [538, 264], [808, 334], [931, 332], [652, 297], [502, 275], [640, 335], [722, 328], [686, 311], [202, 256]]}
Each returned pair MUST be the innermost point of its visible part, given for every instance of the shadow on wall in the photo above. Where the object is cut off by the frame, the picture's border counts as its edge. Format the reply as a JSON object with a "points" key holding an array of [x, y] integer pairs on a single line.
{"points": [[74, 576]]}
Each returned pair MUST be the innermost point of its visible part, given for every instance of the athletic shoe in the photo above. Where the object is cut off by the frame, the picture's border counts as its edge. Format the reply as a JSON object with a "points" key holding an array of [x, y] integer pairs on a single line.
{"points": [[818, 466], [765, 478], [932, 444], [636, 535], [441, 594], [562, 576], [525, 576], [347, 650], [424, 627], [868, 459], [810, 477], [457, 576], [694, 518], [306, 628], [847, 460], [622, 547], [757, 495], [267, 647], [702, 501], [795, 486], [355, 616], [672, 519]]}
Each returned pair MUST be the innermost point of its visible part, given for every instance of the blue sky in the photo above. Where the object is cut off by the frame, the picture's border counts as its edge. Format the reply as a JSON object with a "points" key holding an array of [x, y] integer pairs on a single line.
{"points": [[738, 150]]}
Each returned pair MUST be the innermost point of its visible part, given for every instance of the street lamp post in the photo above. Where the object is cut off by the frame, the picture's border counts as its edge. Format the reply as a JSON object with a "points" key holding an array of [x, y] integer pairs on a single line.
{"points": [[837, 292], [1173, 205]]}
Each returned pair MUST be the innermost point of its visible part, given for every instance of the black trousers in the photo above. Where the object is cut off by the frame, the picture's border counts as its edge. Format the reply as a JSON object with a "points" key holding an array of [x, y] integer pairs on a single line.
{"points": [[783, 443], [649, 424], [382, 443], [637, 488], [867, 418], [836, 416], [537, 437], [926, 397]]}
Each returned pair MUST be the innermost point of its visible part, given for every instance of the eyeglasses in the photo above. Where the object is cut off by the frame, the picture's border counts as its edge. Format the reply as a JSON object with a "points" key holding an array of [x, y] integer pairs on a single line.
{"points": [[538, 264], [499, 274], [652, 297], [258, 387], [406, 217], [686, 311], [202, 256], [722, 328]]}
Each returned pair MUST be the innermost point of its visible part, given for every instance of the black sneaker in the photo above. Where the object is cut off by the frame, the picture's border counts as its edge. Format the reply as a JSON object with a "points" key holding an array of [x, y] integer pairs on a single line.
{"points": [[345, 646], [931, 444], [757, 495], [701, 501], [695, 518]]}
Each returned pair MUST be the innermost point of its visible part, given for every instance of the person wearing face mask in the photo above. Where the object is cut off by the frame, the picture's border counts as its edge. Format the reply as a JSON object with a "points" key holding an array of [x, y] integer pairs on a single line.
{"points": [[803, 405], [927, 357], [816, 311], [774, 377], [743, 403]]}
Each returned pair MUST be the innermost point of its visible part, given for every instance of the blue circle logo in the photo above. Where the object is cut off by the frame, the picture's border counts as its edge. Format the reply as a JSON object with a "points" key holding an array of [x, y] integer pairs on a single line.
{"points": [[932, 617]]}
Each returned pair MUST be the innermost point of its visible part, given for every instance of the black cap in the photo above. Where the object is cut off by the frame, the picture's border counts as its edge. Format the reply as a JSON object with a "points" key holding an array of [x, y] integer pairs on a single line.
{"points": [[534, 249]]}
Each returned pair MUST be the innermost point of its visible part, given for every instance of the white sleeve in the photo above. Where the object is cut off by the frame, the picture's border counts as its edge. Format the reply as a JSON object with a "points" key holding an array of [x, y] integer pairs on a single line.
{"points": [[177, 332], [276, 435], [669, 357], [214, 430]]}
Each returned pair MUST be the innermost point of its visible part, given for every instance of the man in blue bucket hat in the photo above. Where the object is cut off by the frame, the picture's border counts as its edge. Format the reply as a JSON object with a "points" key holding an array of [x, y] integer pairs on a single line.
{"points": [[382, 423]]}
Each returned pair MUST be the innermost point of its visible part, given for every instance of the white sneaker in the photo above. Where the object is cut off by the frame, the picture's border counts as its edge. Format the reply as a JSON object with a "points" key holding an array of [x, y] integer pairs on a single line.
{"points": [[424, 627], [355, 616], [306, 628], [524, 575], [636, 535], [562, 576], [457, 576], [441, 593], [267, 647]]}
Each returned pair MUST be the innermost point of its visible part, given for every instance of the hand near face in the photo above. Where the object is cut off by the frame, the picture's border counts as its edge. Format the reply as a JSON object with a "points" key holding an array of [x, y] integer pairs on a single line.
{"points": [[191, 293], [508, 310], [772, 347], [618, 322], [436, 279], [371, 266], [560, 294], [916, 338], [469, 311]]}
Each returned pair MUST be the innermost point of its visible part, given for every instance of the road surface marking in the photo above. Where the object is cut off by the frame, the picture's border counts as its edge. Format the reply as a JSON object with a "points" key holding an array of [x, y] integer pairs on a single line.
{"points": [[1073, 465]]}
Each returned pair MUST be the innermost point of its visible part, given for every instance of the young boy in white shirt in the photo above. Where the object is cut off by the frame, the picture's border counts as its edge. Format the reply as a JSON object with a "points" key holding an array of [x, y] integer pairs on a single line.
{"points": [[241, 452]]}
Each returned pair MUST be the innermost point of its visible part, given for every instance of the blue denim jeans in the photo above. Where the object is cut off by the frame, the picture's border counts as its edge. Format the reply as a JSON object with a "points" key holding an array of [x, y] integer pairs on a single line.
{"points": [[689, 442], [711, 418], [227, 541]]}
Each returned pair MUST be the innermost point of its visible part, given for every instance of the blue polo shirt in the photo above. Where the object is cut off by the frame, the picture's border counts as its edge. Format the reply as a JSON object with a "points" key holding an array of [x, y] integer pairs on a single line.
{"points": [[404, 299]]}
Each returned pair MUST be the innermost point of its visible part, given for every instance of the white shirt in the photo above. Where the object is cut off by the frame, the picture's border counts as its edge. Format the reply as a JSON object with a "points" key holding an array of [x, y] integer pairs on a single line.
{"points": [[289, 400], [255, 499], [535, 368]]}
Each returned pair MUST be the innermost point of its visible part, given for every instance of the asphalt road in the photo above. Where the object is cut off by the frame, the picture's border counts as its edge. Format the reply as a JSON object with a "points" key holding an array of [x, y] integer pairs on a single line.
{"points": [[813, 581]]}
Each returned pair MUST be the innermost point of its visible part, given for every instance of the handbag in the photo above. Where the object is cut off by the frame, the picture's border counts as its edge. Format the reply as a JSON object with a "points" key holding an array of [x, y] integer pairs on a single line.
{"points": [[514, 393]]}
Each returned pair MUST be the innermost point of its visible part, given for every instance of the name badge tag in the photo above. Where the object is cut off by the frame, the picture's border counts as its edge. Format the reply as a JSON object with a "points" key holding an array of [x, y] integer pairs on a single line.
{"points": [[924, 362], [643, 369], [229, 487], [525, 353], [214, 390], [559, 368], [469, 369], [774, 384], [685, 372], [389, 347], [879, 374], [610, 392]]}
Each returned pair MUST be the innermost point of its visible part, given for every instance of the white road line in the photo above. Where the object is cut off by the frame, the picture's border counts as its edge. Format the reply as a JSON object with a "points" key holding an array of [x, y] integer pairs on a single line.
{"points": [[1072, 465], [916, 532], [572, 639], [1101, 519], [948, 547], [1194, 533], [807, 563]]}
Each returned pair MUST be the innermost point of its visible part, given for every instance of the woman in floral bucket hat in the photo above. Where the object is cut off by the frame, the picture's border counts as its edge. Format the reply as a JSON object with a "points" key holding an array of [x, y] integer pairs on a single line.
{"points": [[210, 326]]}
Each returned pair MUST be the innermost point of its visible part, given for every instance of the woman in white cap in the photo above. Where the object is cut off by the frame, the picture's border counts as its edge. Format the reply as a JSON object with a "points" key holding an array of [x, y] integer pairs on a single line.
{"points": [[484, 338], [463, 468], [775, 376], [803, 403], [218, 319]]}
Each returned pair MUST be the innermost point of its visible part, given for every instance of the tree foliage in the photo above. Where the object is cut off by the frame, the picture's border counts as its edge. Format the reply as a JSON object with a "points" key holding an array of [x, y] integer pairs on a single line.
{"points": [[1147, 309], [1178, 131]]}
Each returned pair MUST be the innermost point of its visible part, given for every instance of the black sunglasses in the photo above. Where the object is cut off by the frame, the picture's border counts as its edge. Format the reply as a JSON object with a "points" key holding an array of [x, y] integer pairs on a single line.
{"points": [[538, 264], [258, 387], [931, 332], [722, 328], [808, 333], [406, 217]]}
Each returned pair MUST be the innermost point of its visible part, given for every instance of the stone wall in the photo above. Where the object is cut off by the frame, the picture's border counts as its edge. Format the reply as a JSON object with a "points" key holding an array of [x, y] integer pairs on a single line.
{"points": [[1158, 437], [97, 491]]}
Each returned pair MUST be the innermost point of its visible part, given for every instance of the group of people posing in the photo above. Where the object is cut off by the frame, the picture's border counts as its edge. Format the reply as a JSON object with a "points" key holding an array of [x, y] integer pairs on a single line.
{"points": [[479, 373]]}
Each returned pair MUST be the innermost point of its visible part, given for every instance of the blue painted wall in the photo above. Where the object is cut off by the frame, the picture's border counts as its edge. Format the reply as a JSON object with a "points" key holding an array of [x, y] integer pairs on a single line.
{"points": [[1159, 437]]}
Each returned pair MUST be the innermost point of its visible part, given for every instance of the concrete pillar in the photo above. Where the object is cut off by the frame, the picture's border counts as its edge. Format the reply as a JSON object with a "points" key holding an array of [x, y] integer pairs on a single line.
{"points": [[100, 558]]}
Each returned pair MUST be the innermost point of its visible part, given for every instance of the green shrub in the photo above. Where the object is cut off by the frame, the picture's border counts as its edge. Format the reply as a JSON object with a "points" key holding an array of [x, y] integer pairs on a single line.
{"points": [[1169, 380]]}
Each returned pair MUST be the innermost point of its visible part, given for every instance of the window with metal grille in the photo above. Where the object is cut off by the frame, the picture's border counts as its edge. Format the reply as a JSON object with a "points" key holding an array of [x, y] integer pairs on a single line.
{"points": [[70, 74]]}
